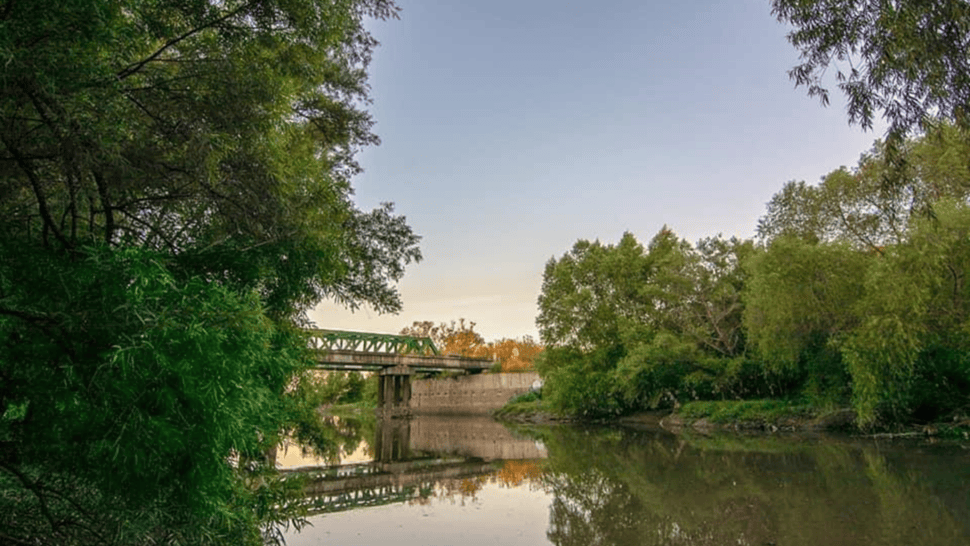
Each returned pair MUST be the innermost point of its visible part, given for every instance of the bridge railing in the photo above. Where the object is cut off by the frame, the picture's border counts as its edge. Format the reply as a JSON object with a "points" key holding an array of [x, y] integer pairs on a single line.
{"points": [[338, 340]]}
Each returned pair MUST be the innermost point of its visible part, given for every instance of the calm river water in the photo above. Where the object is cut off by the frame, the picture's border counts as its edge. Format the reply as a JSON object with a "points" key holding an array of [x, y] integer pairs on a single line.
{"points": [[471, 481]]}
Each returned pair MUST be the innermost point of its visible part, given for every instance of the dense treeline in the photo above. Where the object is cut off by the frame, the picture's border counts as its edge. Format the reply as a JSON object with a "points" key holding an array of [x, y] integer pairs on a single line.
{"points": [[854, 293]]}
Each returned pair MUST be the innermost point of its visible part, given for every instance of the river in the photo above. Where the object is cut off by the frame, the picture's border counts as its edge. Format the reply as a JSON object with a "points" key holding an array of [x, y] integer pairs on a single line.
{"points": [[472, 481]]}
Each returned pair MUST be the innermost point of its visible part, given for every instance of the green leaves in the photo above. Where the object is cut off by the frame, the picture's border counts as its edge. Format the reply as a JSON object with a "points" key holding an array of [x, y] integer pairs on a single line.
{"points": [[906, 61], [857, 206], [635, 327], [174, 195], [590, 290], [905, 356], [139, 386], [201, 127]]}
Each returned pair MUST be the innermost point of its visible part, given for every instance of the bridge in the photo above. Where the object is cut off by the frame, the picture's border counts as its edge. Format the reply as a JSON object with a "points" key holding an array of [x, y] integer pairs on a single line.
{"points": [[394, 357]]}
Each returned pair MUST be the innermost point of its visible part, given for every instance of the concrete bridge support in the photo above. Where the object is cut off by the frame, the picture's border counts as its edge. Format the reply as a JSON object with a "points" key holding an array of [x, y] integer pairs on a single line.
{"points": [[400, 395], [468, 394], [394, 391]]}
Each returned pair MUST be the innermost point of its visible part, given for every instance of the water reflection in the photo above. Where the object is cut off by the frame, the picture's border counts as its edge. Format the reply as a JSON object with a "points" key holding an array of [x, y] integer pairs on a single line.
{"points": [[438, 481], [409, 461], [330, 441], [617, 487]]}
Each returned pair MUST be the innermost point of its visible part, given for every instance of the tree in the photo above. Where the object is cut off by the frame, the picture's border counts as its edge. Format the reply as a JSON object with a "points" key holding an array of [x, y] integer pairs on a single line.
{"points": [[221, 132], [715, 322], [590, 291], [460, 338], [125, 394], [905, 60], [856, 207], [800, 304], [174, 195], [629, 327], [859, 293], [908, 355], [515, 354], [456, 338]]}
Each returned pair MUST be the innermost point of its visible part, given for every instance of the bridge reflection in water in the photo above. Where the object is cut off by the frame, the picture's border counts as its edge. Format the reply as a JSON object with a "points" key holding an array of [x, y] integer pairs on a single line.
{"points": [[412, 458]]}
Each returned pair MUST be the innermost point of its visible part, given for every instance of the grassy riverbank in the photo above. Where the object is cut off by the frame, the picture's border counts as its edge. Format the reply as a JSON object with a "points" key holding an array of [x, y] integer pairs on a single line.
{"points": [[768, 415]]}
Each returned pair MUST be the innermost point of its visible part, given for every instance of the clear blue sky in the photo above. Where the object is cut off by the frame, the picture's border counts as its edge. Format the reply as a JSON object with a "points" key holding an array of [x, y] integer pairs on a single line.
{"points": [[511, 129]]}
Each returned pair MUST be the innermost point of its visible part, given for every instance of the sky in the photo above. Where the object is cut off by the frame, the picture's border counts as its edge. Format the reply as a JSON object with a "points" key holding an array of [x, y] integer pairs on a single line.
{"points": [[511, 129]]}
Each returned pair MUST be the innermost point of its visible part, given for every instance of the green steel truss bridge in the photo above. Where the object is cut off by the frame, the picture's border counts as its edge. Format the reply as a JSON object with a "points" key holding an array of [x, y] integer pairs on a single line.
{"points": [[341, 350], [365, 342], [394, 357]]}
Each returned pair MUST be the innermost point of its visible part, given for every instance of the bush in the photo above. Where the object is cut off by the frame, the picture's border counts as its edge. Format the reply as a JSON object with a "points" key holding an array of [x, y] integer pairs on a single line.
{"points": [[581, 384]]}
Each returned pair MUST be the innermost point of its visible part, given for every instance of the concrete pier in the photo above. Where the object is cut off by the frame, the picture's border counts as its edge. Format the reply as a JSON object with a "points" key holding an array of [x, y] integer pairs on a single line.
{"points": [[468, 394], [394, 391]]}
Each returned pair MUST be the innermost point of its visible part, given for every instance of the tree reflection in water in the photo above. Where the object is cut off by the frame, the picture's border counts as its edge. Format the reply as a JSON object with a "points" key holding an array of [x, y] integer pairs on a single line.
{"points": [[333, 437], [604, 486], [624, 488]]}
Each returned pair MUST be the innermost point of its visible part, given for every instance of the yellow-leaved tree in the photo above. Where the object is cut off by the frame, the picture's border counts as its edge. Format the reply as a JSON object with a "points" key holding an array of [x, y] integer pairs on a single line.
{"points": [[460, 338]]}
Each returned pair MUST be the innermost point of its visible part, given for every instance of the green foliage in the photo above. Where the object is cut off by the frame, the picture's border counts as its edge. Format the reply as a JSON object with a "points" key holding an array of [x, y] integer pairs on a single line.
{"points": [[905, 61], [591, 290], [524, 398], [529, 409], [799, 300], [908, 354], [221, 132], [859, 291], [174, 195], [634, 328], [581, 383], [858, 208], [858, 296], [126, 390], [656, 372], [329, 388]]}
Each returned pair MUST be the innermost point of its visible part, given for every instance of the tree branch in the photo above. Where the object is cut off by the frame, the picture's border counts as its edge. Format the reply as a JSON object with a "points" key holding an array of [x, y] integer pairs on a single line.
{"points": [[36, 490], [13, 540], [109, 218], [157, 232], [135, 67], [36, 186]]}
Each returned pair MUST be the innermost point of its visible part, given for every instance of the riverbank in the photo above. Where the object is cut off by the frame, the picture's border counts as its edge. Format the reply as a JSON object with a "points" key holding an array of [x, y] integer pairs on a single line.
{"points": [[767, 416]]}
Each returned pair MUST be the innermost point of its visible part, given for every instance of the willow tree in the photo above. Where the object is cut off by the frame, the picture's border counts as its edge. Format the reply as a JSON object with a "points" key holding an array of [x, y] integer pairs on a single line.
{"points": [[905, 60], [174, 195], [858, 293]]}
